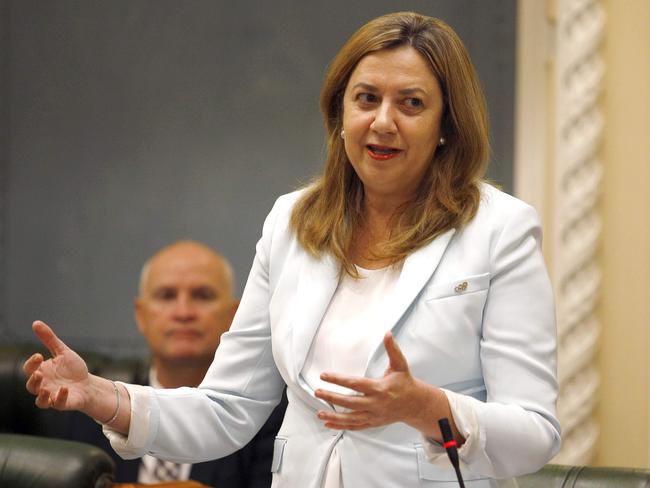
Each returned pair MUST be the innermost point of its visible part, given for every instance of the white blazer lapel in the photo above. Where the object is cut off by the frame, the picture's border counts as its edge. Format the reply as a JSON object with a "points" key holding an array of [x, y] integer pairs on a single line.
{"points": [[416, 273], [317, 283]]}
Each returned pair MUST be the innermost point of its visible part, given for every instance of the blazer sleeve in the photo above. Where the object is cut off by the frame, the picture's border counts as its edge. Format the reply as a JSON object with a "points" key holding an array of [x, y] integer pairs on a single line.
{"points": [[239, 392], [515, 431]]}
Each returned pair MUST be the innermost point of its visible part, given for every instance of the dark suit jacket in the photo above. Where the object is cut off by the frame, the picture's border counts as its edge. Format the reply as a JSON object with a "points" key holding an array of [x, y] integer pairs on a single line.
{"points": [[250, 467]]}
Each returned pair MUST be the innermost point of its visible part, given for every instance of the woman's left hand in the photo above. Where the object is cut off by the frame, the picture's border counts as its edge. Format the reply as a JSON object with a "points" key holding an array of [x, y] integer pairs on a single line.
{"points": [[396, 397]]}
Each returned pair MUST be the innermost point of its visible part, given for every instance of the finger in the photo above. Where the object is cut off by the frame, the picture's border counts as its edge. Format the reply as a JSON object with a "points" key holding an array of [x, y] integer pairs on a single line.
{"points": [[59, 400], [49, 339], [354, 402], [34, 383], [43, 399], [32, 364], [334, 426], [396, 360], [347, 418], [356, 383]]}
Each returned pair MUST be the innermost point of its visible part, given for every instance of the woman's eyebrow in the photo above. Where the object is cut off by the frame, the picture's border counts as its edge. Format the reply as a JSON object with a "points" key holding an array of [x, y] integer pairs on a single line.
{"points": [[412, 91], [403, 91], [365, 86]]}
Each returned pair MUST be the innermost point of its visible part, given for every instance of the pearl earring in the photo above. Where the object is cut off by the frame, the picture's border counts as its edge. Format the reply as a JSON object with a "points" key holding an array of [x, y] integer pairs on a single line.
{"points": [[342, 134], [442, 141]]}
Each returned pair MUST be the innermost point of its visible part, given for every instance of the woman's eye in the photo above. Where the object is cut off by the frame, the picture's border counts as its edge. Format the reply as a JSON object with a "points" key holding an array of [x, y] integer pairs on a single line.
{"points": [[366, 98], [413, 103]]}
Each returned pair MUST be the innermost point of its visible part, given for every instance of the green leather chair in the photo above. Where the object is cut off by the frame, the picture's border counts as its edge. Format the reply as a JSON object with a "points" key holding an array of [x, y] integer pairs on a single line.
{"points": [[560, 476], [39, 462]]}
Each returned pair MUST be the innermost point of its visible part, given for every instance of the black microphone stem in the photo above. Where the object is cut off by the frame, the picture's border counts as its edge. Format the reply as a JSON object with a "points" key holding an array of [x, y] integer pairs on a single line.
{"points": [[450, 447]]}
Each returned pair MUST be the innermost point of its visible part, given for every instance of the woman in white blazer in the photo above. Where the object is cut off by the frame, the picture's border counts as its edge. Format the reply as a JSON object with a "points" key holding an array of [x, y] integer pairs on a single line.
{"points": [[395, 290]]}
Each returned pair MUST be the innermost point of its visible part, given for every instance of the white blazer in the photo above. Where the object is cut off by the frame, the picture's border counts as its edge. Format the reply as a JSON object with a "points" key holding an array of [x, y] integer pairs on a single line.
{"points": [[472, 312]]}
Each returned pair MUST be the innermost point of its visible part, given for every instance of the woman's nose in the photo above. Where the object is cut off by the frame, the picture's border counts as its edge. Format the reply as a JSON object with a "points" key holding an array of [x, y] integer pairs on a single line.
{"points": [[384, 121]]}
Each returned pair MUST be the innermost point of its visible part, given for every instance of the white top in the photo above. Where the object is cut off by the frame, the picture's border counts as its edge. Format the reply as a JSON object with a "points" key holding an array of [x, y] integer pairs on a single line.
{"points": [[350, 328]]}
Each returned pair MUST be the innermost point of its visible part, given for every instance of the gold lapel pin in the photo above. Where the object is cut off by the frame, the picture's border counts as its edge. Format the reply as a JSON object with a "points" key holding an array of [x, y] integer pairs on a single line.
{"points": [[461, 287]]}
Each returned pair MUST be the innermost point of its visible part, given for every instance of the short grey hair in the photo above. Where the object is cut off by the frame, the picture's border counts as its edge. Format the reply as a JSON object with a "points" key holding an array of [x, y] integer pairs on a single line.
{"points": [[227, 267]]}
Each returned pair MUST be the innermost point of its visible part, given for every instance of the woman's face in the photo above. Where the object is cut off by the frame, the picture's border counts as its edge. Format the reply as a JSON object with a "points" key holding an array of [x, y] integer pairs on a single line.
{"points": [[392, 107]]}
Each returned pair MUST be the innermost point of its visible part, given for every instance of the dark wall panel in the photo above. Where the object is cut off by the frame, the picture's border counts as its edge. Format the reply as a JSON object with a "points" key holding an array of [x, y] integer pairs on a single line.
{"points": [[4, 163], [131, 124]]}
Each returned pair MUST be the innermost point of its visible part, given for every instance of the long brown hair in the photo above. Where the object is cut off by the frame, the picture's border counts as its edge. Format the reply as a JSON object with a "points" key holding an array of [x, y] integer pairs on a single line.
{"points": [[330, 210]]}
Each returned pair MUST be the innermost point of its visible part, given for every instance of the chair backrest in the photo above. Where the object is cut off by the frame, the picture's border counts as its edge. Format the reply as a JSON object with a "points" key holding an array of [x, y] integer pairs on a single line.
{"points": [[39, 462], [560, 476]]}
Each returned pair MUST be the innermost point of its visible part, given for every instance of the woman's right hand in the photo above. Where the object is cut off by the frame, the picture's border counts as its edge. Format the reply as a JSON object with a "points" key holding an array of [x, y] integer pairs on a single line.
{"points": [[61, 382], [64, 383]]}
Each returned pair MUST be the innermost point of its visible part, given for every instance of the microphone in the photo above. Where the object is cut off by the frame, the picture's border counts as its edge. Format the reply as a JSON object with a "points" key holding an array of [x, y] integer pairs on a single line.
{"points": [[450, 445]]}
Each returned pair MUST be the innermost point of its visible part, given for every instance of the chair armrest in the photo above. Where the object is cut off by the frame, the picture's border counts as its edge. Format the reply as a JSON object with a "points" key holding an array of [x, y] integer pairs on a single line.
{"points": [[39, 462], [564, 476]]}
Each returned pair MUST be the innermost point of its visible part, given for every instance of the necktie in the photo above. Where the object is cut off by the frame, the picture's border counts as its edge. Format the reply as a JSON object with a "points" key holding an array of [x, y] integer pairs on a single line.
{"points": [[166, 470]]}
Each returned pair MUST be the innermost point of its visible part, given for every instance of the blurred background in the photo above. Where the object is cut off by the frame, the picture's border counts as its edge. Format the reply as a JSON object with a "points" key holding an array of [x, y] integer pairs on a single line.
{"points": [[126, 125], [130, 124]]}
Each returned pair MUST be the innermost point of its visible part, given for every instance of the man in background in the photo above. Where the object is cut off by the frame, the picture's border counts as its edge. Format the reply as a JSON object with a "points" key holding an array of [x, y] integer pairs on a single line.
{"points": [[185, 303]]}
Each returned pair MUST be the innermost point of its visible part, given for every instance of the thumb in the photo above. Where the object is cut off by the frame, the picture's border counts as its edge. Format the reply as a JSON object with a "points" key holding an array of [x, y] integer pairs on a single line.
{"points": [[396, 359], [49, 339]]}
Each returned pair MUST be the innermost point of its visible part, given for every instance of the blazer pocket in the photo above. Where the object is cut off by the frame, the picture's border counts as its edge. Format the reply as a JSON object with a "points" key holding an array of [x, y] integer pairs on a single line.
{"points": [[431, 472], [462, 286], [278, 450], [440, 471]]}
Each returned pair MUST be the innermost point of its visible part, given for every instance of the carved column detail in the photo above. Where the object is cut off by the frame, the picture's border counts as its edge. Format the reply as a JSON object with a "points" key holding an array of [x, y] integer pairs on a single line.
{"points": [[576, 223]]}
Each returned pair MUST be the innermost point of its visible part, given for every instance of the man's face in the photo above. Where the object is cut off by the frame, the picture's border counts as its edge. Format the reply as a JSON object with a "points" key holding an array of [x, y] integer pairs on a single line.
{"points": [[185, 304]]}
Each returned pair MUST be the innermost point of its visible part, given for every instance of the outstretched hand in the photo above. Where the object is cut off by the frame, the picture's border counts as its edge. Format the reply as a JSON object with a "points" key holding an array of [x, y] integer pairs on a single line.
{"points": [[61, 382], [396, 397]]}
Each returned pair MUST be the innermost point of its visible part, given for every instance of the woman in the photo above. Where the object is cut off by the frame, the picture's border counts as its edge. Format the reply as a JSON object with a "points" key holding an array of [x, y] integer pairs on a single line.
{"points": [[398, 242]]}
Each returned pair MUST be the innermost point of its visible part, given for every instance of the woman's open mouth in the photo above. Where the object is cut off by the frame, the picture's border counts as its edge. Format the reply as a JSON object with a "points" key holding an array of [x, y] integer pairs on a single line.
{"points": [[381, 153]]}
